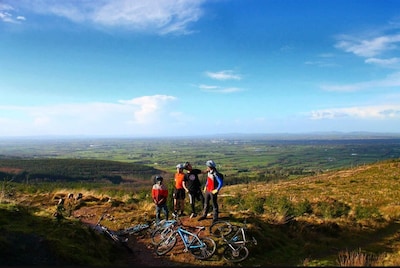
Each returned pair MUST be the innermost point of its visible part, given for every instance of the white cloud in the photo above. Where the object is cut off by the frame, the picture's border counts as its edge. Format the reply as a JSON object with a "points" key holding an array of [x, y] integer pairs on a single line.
{"points": [[217, 89], [392, 62], [148, 107], [386, 111], [6, 14], [368, 47], [162, 17], [140, 115], [224, 75], [392, 80]]}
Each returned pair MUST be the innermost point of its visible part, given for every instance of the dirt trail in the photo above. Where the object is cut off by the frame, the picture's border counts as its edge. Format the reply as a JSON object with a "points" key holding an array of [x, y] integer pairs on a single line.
{"points": [[142, 254]]}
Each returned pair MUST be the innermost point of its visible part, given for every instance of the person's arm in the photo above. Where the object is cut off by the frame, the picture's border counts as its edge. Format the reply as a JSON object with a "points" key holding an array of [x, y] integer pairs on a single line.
{"points": [[154, 195], [184, 185], [205, 185], [220, 182]]}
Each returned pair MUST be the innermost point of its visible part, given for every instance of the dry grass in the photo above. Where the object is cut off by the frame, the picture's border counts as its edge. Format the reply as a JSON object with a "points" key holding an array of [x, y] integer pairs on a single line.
{"points": [[356, 258], [359, 206]]}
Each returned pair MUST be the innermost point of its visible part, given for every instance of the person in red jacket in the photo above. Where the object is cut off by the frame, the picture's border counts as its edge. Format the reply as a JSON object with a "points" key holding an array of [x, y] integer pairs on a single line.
{"points": [[211, 189], [159, 193]]}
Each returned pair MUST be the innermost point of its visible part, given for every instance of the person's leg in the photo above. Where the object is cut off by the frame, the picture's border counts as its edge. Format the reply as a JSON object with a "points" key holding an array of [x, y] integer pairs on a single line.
{"points": [[206, 205], [175, 196], [165, 211], [215, 207], [192, 202], [182, 207], [158, 210], [201, 197]]}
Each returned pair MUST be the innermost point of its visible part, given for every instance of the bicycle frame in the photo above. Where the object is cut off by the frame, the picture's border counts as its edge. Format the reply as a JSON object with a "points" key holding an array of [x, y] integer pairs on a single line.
{"points": [[113, 235], [133, 229], [161, 230], [189, 238], [201, 248], [236, 250], [237, 240]]}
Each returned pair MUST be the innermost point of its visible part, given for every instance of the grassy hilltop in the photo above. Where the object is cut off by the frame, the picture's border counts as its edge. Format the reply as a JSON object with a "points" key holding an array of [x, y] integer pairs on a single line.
{"points": [[345, 217]]}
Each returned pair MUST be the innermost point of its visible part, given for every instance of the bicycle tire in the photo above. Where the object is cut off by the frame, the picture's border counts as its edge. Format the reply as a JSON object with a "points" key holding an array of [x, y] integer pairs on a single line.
{"points": [[203, 252], [159, 234], [221, 228], [166, 244], [238, 255]]}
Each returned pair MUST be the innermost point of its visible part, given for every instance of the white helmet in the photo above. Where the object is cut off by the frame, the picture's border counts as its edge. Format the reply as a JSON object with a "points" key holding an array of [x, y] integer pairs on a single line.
{"points": [[180, 166], [211, 163]]}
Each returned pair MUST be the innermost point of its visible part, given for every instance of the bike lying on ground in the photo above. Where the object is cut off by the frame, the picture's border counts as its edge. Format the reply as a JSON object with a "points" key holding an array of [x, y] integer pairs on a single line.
{"points": [[121, 236], [200, 247], [235, 240], [161, 230]]}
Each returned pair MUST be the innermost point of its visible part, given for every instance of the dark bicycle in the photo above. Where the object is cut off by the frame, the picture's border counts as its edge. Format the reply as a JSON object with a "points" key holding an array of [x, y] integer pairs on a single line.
{"points": [[121, 237], [113, 235], [235, 239]]}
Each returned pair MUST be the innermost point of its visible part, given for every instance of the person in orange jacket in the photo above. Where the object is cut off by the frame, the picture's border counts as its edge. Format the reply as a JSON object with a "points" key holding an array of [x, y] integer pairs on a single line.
{"points": [[179, 191]]}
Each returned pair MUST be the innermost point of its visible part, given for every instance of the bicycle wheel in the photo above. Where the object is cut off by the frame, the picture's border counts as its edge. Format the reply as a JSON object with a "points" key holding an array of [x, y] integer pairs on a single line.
{"points": [[203, 249], [166, 245], [220, 228], [159, 234], [235, 255]]}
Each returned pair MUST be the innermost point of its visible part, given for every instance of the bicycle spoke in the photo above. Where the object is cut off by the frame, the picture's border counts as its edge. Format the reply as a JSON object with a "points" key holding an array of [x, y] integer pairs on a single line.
{"points": [[166, 245], [235, 255], [203, 249], [159, 235]]}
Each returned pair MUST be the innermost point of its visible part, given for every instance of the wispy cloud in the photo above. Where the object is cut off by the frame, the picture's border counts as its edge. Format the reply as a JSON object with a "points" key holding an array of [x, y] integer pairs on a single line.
{"points": [[224, 75], [6, 14], [387, 111], [368, 47], [143, 114], [161, 17], [388, 63], [217, 89], [392, 80]]}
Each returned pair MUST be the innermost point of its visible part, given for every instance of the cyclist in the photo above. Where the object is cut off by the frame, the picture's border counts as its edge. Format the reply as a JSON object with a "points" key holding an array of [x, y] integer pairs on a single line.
{"points": [[193, 185], [179, 191], [159, 193], [212, 187]]}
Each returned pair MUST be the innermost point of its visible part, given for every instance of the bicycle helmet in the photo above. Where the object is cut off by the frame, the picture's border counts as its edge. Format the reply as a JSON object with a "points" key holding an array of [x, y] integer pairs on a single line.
{"points": [[211, 164], [186, 164], [180, 166], [158, 178]]}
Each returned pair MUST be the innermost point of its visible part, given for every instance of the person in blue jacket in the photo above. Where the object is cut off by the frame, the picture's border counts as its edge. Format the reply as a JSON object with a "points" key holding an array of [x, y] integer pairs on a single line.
{"points": [[211, 189]]}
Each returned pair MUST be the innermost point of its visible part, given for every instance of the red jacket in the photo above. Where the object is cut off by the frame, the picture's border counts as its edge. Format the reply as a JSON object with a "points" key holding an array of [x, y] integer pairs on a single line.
{"points": [[159, 193]]}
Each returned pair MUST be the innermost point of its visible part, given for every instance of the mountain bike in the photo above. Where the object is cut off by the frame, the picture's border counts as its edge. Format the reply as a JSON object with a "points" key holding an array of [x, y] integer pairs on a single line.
{"points": [[121, 236], [161, 230], [113, 235], [201, 248], [235, 241]]}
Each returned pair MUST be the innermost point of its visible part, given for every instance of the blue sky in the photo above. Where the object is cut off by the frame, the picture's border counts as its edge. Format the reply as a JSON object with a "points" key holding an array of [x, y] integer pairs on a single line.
{"points": [[151, 68]]}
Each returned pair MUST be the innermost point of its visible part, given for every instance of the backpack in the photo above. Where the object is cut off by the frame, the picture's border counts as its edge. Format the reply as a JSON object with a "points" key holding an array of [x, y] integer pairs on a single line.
{"points": [[221, 176]]}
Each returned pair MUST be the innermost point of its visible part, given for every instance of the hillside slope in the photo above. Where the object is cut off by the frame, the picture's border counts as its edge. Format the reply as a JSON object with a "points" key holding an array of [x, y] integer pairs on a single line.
{"points": [[302, 222]]}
